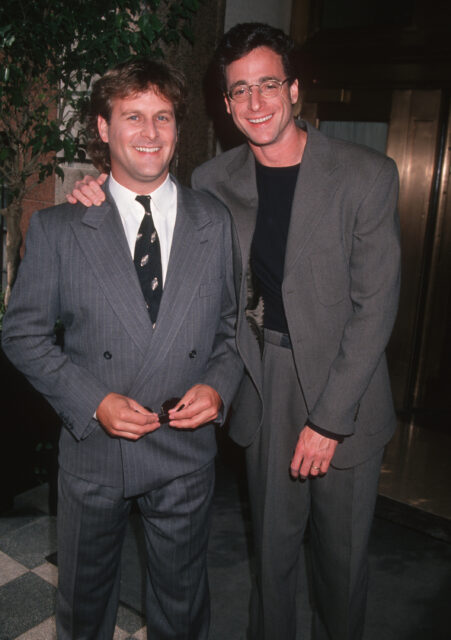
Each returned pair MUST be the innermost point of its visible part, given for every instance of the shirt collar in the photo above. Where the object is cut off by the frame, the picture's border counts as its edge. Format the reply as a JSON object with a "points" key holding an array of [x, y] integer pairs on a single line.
{"points": [[162, 198]]}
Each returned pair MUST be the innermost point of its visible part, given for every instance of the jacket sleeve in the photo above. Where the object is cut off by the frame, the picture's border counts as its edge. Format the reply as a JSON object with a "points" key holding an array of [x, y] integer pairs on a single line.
{"points": [[28, 335], [225, 368], [374, 270]]}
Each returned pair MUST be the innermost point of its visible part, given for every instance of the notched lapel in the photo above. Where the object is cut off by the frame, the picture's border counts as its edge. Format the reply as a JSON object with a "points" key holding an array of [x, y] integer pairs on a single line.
{"points": [[239, 193], [242, 199], [102, 240], [314, 193], [190, 254]]}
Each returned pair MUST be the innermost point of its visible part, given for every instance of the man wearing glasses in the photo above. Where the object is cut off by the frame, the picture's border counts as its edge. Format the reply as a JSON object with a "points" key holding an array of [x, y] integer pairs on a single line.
{"points": [[317, 268], [317, 245]]}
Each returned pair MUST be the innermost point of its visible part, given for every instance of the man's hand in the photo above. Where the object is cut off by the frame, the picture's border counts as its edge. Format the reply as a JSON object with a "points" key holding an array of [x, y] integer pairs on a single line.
{"points": [[200, 404], [312, 455], [88, 191], [123, 417]]}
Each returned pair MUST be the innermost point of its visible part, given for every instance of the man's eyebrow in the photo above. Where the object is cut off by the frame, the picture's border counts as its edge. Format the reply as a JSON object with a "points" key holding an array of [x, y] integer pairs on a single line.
{"points": [[128, 112], [239, 83]]}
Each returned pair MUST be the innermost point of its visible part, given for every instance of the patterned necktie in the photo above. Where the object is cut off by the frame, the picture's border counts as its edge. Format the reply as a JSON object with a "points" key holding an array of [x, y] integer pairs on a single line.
{"points": [[147, 260]]}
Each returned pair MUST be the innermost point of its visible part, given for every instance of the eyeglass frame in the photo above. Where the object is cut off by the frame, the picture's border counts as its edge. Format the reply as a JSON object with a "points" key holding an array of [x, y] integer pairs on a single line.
{"points": [[249, 88]]}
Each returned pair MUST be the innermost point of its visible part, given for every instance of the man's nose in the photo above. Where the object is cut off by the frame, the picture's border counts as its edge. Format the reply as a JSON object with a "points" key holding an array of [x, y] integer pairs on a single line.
{"points": [[149, 129], [255, 98]]}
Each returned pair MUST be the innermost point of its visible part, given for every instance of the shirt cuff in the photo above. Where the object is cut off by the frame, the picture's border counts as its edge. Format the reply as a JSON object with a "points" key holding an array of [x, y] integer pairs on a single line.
{"points": [[324, 432]]}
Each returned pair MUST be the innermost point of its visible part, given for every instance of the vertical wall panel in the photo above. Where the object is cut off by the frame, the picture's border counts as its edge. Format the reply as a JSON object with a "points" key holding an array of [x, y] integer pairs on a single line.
{"points": [[432, 398], [412, 143]]}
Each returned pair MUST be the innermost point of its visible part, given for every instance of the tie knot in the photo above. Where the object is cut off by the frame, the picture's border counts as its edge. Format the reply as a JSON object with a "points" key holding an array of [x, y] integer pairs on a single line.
{"points": [[145, 201]]}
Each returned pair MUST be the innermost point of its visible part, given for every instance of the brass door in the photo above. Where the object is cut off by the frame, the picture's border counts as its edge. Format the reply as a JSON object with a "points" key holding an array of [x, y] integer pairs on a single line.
{"points": [[419, 142]]}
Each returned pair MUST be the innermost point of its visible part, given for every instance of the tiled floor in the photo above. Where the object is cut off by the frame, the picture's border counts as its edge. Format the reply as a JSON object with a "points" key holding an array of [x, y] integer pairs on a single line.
{"points": [[416, 472], [28, 580]]}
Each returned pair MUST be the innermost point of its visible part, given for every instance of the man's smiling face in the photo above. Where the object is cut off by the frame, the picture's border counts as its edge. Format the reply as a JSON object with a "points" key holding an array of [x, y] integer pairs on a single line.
{"points": [[141, 135], [263, 121]]}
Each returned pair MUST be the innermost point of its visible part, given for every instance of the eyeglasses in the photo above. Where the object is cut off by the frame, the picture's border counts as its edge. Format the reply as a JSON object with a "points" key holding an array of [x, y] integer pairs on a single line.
{"points": [[267, 89]]}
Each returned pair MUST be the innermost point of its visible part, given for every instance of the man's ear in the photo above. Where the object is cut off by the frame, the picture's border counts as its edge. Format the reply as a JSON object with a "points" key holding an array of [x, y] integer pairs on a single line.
{"points": [[294, 91], [227, 102], [102, 126]]}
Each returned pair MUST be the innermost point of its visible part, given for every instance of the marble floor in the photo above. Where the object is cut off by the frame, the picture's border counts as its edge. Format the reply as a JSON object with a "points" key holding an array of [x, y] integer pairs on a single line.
{"points": [[417, 469], [410, 554]]}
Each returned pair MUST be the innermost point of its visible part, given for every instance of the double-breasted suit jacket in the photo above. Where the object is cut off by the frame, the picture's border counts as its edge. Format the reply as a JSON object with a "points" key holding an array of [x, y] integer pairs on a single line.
{"points": [[340, 287], [87, 279]]}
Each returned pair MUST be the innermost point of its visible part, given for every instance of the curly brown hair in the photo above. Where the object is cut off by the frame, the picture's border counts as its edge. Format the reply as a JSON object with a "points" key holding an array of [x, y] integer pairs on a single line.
{"points": [[124, 80]]}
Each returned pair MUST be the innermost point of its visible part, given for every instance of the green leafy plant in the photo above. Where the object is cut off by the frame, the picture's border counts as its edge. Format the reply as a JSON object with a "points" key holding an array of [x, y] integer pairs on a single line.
{"points": [[50, 53]]}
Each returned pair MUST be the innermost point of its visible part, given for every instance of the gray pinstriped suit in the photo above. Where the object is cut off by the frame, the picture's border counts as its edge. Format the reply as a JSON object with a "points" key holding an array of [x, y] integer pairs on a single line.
{"points": [[78, 267], [340, 293]]}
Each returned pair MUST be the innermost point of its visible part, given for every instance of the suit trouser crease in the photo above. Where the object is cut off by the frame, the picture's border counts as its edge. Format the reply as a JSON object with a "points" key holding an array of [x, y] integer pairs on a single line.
{"points": [[339, 508], [92, 521]]}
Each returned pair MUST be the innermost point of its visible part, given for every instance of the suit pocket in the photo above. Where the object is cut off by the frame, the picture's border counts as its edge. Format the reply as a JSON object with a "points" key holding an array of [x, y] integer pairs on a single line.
{"points": [[330, 277]]}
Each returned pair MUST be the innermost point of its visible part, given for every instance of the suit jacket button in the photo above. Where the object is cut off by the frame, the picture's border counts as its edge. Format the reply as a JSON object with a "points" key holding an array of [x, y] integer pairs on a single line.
{"points": [[107, 355], [192, 354]]}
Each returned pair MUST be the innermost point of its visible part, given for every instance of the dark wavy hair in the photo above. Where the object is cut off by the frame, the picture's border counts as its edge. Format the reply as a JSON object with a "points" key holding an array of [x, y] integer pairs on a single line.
{"points": [[128, 79], [247, 36]]}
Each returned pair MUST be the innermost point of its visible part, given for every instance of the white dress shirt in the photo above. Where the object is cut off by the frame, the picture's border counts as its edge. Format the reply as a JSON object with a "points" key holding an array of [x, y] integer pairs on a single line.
{"points": [[164, 212]]}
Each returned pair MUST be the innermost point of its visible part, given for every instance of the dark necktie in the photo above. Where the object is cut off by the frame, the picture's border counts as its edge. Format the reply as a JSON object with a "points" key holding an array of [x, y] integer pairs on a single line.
{"points": [[147, 260]]}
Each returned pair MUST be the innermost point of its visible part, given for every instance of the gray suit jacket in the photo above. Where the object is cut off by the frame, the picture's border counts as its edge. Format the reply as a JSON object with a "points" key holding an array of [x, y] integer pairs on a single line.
{"points": [[77, 267], [340, 287]]}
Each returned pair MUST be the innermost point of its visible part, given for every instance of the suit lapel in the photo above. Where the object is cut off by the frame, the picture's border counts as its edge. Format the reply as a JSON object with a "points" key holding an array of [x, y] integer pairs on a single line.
{"points": [[103, 242], [190, 252], [240, 194], [315, 190]]}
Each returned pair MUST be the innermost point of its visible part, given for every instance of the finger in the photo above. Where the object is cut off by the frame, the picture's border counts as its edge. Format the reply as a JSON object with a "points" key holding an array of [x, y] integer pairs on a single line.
{"points": [[91, 186], [315, 469], [185, 409], [202, 417], [139, 408], [181, 404], [79, 196], [92, 192], [70, 198], [128, 435], [135, 431], [131, 435], [131, 418], [296, 460], [306, 467]]}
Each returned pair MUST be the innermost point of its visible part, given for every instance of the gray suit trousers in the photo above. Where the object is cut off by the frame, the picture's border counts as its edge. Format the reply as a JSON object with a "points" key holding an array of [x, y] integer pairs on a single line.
{"points": [[339, 508], [92, 520]]}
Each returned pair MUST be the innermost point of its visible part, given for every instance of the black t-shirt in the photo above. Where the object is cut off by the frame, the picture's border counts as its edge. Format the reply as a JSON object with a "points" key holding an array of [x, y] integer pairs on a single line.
{"points": [[275, 186]]}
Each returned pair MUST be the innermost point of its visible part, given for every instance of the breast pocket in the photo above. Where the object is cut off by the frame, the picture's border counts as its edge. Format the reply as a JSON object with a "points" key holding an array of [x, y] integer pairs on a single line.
{"points": [[330, 275]]}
